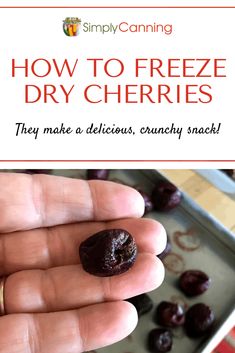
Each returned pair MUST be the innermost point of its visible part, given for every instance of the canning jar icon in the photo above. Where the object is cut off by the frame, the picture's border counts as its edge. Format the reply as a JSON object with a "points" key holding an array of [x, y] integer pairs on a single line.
{"points": [[71, 26]]}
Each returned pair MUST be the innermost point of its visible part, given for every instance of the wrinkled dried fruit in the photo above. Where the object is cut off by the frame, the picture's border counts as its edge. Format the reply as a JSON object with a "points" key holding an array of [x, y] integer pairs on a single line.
{"points": [[166, 250], [194, 282], [160, 340], [199, 320], [165, 196], [108, 253], [143, 303], [169, 314], [100, 174], [147, 201]]}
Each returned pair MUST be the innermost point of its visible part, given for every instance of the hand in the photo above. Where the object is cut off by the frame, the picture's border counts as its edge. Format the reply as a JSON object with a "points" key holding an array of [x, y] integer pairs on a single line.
{"points": [[52, 304]]}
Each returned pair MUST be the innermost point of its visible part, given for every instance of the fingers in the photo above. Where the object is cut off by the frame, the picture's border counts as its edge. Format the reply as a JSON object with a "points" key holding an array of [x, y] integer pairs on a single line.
{"points": [[33, 201], [58, 246], [70, 287], [67, 332]]}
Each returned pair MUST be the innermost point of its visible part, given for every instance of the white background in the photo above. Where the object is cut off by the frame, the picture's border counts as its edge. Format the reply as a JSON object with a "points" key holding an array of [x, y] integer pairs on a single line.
{"points": [[37, 33]]}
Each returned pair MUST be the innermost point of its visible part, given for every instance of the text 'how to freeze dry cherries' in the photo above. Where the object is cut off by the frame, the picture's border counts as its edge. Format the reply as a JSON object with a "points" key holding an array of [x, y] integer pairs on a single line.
{"points": [[159, 340], [108, 252], [194, 282], [199, 320], [169, 314], [165, 196]]}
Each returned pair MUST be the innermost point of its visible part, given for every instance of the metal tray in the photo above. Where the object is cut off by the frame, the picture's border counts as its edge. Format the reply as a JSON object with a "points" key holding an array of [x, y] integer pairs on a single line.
{"points": [[199, 241]]}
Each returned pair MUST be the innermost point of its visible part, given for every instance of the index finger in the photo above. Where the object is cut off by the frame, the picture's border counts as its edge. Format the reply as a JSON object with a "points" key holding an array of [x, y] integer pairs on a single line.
{"points": [[33, 201]]}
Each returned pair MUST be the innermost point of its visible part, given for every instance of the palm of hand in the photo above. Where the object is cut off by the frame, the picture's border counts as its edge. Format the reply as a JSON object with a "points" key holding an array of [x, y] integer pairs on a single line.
{"points": [[52, 304]]}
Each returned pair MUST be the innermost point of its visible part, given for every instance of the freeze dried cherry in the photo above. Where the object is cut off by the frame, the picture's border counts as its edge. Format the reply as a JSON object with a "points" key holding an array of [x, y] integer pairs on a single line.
{"points": [[143, 303], [160, 340], [148, 205], [100, 174], [165, 196], [109, 252], [199, 320], [169, 314], [194, 282]]}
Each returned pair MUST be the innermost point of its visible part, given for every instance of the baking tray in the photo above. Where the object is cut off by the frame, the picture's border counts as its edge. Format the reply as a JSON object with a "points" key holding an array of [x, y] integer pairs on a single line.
{"points": [[199, 241]]}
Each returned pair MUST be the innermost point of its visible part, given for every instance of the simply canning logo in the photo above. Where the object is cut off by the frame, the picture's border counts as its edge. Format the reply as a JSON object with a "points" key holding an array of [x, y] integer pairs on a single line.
{"points": [[72, 26]]}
